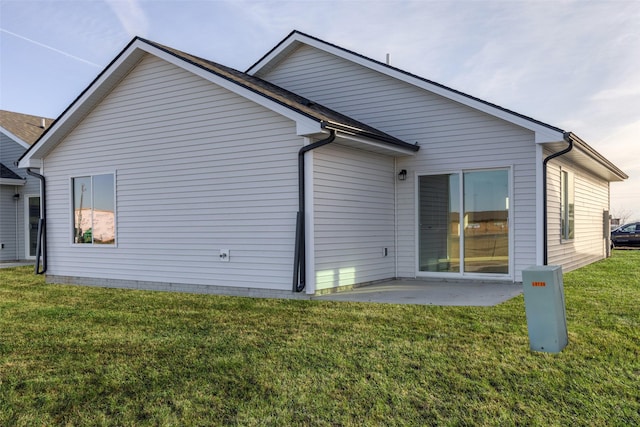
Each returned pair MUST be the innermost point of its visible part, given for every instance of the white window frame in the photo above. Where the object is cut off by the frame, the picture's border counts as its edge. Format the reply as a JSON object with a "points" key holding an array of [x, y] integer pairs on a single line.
{"points": [[72, 213], [488, 276], [567, 199], [27, 230]]}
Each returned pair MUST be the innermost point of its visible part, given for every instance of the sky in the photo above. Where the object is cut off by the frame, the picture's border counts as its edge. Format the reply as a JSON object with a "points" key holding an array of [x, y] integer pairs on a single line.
{"points": [[572, 64]]}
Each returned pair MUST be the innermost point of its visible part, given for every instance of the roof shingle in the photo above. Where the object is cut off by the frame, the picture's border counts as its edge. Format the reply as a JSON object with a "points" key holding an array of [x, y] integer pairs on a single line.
{"points": [[331, 118], [7, 173], [25, 126]]}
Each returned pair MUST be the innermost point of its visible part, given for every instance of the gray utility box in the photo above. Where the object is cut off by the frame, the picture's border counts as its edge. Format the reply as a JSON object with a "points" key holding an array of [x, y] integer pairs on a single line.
{"points": [[544, 305]]}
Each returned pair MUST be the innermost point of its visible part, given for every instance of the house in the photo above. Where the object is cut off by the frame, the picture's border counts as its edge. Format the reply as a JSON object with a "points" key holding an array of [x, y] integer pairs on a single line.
{"points": [[19, 193], [317, 168]]}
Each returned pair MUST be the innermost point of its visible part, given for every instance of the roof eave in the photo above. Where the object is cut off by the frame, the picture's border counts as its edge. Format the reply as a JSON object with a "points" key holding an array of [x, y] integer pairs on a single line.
{"points": [[587, 158], [597, 157]]}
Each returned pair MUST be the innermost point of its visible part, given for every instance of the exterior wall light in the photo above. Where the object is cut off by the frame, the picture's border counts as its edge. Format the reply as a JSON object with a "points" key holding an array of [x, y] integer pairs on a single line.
{"points": [[16, 197], [402, 176]]}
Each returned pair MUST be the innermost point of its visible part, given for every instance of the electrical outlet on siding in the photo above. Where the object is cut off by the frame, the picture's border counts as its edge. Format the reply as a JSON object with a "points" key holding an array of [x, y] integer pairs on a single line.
{"points": [[225, 254]]}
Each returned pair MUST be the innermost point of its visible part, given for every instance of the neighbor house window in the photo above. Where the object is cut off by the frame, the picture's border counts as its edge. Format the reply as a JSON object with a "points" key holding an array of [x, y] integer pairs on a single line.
{"points": [[567, 208], [94, 209]]}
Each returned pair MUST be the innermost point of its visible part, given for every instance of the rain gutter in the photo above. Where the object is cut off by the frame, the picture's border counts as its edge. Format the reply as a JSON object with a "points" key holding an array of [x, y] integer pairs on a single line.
{"points": [[299, 261], [41, 246]]}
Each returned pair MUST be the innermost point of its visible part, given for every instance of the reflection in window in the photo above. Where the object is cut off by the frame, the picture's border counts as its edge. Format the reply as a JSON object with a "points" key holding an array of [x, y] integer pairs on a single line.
{"points": [[94, 209], [34, 219], [567, 208], [630, 228], [486, 221]]}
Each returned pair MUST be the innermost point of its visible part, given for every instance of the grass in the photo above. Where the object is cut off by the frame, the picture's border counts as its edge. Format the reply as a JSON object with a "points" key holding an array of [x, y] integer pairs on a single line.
{"points": [[72, 355]]}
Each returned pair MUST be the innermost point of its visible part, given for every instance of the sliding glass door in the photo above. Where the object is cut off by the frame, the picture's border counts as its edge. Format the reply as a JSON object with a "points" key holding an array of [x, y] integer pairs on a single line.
{"points": [[464, 222]]}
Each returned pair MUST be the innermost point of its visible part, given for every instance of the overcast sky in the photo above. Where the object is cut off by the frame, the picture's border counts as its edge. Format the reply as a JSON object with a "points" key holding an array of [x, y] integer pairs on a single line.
{"points": [[572, 64]]}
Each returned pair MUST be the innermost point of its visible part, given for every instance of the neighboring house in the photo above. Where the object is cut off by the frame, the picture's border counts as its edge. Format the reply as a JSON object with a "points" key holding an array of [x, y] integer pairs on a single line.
{"points": [[19, 193], [195, 174]]}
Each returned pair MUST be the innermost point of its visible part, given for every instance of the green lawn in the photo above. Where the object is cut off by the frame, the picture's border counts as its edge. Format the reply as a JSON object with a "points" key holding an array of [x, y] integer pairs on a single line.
{"points": [[73, 355]]}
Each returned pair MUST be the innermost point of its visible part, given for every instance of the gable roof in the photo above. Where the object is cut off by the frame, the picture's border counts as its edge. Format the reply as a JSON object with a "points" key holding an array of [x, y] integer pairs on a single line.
{"points": [[331, 119], [25, 129], [310, 118], [544, 133], [297, 38]]}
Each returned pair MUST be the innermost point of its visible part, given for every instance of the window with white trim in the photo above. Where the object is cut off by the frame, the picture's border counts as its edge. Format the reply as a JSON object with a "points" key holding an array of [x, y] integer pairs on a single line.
{"points": [[567, 205], [94, 221]]}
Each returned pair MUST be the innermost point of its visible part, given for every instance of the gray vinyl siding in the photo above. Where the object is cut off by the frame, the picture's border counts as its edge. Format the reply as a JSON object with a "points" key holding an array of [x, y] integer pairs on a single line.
{"points": [[591, 200], [8, 231], [12, 228], [10, 152], [198, 169], [452, 137], [353, 216]]}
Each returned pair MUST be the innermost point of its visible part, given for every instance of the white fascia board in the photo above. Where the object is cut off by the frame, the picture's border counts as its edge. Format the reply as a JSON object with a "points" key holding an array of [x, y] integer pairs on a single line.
{"points": [[309, 128], [30, 162], [12, 136], [304, 125], [546, 135], [297, 39], [280, 51], [11, 181]]}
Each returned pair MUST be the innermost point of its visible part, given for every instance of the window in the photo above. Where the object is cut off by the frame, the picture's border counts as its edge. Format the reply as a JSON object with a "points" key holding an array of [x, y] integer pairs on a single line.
{"points": [[33, 212], [630, 228], [464, 222], [567, 208], [94, 209]]}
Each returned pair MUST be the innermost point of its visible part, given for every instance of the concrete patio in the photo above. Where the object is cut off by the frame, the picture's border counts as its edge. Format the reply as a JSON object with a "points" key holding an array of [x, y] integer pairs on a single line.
{"points": [[430, 292]]}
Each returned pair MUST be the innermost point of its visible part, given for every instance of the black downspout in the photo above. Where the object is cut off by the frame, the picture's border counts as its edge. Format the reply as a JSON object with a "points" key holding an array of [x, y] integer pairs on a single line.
{"points": [[299, 261], [41, 246], [567, 137]]}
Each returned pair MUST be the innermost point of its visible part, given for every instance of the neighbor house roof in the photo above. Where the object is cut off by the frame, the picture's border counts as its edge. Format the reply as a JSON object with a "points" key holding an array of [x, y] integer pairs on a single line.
{"points": [[6, 173], [24, 128], [544, 133], [9, 177], [310, 118]]}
